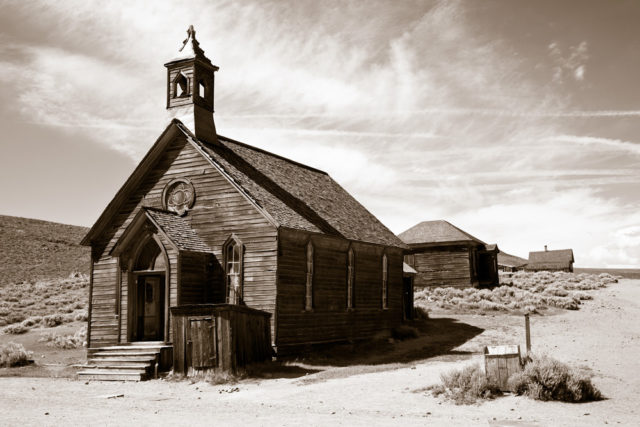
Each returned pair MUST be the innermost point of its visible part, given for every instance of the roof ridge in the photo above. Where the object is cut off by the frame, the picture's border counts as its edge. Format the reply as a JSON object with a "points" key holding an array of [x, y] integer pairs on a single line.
{"points": [[251, 147]]}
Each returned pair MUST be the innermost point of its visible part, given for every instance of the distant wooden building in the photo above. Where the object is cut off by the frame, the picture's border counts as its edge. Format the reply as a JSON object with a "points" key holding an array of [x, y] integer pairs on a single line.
{"points": [[510, 263], [204, 219], [444, 255], [555, 260]]}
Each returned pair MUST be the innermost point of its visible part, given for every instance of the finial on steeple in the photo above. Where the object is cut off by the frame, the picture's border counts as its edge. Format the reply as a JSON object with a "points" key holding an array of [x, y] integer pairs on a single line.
{"points": [[191, 34]]}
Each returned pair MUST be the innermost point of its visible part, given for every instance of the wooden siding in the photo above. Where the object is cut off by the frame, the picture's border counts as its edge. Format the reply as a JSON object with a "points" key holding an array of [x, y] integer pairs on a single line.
{"points": [[330, 319], [448, 266], [219, 210], [196, 279]]}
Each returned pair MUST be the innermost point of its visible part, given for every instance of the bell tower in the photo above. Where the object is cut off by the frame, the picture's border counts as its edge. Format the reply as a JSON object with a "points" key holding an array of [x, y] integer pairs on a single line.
{"points": [[190, 88]]}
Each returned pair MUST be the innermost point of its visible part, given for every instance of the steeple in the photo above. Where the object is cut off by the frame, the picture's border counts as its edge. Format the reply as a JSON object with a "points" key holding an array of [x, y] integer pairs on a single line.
{"points": [[190, 88]]}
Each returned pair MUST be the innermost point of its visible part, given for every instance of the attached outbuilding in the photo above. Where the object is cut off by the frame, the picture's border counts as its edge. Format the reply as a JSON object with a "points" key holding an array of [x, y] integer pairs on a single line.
{"points": [[444, 255], [554, 260]]}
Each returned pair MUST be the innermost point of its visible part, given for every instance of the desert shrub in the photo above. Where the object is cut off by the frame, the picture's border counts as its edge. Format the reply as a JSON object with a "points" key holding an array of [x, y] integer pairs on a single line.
{"points": [[12, 354], [16, 329], [404, 332], [53, 320], [544, 378], [65, 341], [82, 316], [31, 321], [465, 386], [420, 313]]}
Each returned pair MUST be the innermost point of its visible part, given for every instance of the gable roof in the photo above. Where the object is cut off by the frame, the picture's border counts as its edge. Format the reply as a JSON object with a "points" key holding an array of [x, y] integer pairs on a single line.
{"points": [[288, 193], [173, 227], [178, 230], [511, 260], [558, 256], [431, 232]]}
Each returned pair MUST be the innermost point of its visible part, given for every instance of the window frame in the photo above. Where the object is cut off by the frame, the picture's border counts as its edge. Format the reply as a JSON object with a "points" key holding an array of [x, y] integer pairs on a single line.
{"points": [[351, 278], [308, 292], [234, 278], [385, 282]]}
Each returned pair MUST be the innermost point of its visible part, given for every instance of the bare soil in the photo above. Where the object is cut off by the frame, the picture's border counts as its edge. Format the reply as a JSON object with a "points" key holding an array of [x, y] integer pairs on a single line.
{"points": [[376, 384]]}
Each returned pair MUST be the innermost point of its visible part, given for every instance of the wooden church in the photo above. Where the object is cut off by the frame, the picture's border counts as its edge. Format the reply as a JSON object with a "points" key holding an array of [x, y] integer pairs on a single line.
{"points": [[204, 220]]}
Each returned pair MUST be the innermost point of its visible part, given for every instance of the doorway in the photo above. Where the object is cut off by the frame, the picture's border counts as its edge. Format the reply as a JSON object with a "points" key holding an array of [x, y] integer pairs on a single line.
{"points": [[150, 308], [407, 297]]}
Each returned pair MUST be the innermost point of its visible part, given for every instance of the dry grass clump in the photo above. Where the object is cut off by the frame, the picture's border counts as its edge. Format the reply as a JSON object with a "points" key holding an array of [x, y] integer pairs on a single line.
{"points": [[79, 339], [465, 386], [28, 301], [522, 291], [16, 329], [544, 378], [12, 354]]}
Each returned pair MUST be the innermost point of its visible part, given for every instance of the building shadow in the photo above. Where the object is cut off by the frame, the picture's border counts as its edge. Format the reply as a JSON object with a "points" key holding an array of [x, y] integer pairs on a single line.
{"points": [[435, 337]]}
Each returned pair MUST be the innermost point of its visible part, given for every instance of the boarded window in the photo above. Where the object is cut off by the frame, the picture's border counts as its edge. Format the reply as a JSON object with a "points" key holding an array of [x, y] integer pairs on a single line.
{"points": [[308, 300], [385, 277], [351, 269]]}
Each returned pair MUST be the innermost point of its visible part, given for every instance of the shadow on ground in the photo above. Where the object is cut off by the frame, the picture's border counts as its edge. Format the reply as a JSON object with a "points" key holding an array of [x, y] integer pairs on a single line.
{"points": [[436, 337]]}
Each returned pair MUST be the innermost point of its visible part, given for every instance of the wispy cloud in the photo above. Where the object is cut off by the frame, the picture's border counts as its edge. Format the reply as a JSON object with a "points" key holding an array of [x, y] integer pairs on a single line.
{"points": [[605, 143]]}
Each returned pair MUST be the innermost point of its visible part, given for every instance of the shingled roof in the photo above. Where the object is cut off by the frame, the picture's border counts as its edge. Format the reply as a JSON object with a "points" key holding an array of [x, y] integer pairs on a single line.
{"points": [[510, 260], [295, 195], [558, 258], [430, 232], [177, 230]]}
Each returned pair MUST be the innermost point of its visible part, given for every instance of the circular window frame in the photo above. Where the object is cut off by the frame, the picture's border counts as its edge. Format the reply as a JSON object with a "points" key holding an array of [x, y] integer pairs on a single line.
{"points": [[167, 191]]}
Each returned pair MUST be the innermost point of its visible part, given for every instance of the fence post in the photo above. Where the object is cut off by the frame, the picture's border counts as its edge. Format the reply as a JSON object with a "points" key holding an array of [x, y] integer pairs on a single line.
{"points": [[527, 333]]}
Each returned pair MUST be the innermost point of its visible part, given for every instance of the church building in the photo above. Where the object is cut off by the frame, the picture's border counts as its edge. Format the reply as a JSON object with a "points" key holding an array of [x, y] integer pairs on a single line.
{"points": [[205, 219]]}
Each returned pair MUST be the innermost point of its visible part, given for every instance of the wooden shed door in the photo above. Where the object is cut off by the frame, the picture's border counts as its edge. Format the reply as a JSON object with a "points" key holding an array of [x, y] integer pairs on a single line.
{"points": [[202, 338]]}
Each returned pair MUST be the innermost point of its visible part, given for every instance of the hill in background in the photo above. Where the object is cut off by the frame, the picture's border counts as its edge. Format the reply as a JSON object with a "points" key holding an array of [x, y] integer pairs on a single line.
{"points": [[32, 249]]}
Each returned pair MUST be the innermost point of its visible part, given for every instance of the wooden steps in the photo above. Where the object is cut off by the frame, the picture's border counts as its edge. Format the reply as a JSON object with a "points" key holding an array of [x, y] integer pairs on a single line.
{"points": [[131, 362]]}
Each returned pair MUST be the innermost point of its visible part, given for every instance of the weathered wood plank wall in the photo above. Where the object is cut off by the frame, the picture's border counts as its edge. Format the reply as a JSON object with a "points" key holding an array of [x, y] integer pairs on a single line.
{"points": [[331, 320], [448, 266]]}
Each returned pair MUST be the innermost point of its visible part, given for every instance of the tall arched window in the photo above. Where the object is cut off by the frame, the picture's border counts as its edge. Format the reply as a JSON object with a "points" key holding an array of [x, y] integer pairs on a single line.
{"points": [[385, 277], [351, 277], [233, 260], [308, 299], [180, 86]]}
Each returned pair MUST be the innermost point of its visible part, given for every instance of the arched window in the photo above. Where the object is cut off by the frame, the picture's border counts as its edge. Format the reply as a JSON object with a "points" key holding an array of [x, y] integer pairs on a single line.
{"points": [[351, 278], [308, 298], [233, 257], [385, 277], [150, 258]]}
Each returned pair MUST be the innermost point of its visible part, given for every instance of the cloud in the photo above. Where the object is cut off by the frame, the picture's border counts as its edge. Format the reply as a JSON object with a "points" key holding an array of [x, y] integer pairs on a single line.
{"points": [[572, 64], [606, 144]]}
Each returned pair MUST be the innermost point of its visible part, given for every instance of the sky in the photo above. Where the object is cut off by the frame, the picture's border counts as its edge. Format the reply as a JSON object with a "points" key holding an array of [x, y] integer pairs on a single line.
{"points": [[518, 122]]}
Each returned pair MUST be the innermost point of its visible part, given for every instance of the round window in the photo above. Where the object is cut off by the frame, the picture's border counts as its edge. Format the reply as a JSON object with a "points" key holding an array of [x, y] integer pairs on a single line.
{"points": [[178, 196]]}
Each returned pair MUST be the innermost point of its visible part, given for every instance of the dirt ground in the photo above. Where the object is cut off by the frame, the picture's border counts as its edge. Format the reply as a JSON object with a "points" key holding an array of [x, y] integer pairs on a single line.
{"points": [[381, 386]]}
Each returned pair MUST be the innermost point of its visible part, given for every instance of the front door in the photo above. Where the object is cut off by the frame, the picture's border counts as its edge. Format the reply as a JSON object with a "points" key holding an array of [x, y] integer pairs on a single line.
{"points": [[150, 308]]}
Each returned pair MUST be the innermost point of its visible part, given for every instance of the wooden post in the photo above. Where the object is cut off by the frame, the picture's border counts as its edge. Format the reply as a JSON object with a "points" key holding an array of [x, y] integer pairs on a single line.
{"points": [[528, 333]]}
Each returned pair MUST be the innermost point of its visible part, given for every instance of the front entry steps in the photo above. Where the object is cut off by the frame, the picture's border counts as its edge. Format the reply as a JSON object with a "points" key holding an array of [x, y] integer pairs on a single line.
{"points": [[128, 362]]}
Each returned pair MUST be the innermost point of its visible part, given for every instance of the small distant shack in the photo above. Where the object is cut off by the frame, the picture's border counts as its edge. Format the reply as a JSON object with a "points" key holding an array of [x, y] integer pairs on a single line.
{"points": [[510, 263], [555, 260], [444, 255]]}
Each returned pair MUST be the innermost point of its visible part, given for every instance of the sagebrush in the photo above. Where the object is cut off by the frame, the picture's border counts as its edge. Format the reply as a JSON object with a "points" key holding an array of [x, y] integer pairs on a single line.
{"points": [[12, 354], [523, 291], [545, 378], [465, 386]]}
